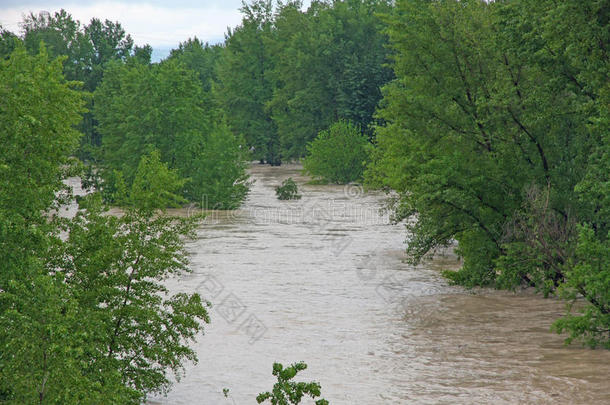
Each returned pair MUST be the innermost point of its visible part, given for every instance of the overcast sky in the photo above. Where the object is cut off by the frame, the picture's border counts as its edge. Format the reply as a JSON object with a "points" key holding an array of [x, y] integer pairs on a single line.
{"points": [[162, 24]]}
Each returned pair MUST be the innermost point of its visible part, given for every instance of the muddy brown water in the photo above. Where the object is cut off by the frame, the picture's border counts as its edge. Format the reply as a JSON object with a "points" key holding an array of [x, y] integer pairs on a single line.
{"points": [[323, 280]]}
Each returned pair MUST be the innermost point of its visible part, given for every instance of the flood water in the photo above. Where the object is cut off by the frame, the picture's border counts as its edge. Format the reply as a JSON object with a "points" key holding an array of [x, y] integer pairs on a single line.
{"points": [[323, 280]]}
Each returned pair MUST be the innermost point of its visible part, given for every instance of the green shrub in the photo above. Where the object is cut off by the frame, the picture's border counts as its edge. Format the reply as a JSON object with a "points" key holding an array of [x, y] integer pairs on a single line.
{"points": [[288, 190], [339, 154]]}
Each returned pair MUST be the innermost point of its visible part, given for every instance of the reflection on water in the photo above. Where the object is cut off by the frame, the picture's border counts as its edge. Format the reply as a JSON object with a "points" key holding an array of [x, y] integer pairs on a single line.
{"points": [[323, 280]]}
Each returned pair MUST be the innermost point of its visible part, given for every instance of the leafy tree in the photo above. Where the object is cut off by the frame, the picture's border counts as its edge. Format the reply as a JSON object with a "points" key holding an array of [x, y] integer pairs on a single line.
{"points": [[338, 154], [285, 74], [286, 392], [84, 314], [292, 25], [163, 107], [588, 275], [199, 57], [141, 108], [88, 50], [109, 42], [108, 330], [244, 87], [494, 132], [568, 50], [439, 147], [155, 185], [116, 268], [38, 113], [218, 177], [472, 119], [62, 36], [8, 43], [330, 65], [37, 116]]}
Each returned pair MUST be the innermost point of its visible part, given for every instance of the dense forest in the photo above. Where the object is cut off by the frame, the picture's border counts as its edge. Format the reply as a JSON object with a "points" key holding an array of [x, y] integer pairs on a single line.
{"points": [[488, 124]]}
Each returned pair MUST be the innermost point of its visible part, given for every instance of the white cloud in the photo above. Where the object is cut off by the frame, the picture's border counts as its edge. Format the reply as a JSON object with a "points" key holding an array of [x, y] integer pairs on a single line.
{"points": [[158, 26]]}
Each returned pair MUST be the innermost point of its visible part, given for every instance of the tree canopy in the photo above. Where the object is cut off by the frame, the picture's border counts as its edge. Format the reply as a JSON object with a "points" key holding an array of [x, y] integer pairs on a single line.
{"points": [[163, 107], [493, 130], [84, 314]]}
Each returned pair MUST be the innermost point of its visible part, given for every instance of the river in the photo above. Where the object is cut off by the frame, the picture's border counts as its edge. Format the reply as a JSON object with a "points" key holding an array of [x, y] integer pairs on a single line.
{"points": [[324, 280]]}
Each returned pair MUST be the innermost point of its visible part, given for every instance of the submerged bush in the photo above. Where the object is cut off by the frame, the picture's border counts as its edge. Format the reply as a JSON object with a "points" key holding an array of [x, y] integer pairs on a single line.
{"points": [[288, 392], [288, 190]]}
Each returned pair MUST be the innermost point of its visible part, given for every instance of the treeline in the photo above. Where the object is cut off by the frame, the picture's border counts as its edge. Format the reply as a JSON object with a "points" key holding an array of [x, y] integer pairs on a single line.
{"points": [[497, 135], [280, 77], [287, 74], [135, 108]]}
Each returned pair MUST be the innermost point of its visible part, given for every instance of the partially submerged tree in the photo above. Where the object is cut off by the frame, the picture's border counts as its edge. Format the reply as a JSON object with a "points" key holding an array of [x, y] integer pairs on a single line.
{"points": [[288, 392], [495, 137], [163, 107], [339, 154]]}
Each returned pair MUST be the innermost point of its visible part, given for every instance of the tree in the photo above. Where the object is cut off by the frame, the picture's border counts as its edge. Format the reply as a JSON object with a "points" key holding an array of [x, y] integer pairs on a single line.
{"points": [[285, 391], [288, 190], [587, 277], [475, 119], [141, 107], [285, 74], [439, 147], [329, 66], [244, 87], [116, 268], [338, 155], [163, 107], [494, 130], [38, 115], [62, 36], [199, 57], [8, 43], [88, 50], [37, 118], [155, 185], [84, 314], [109, 42], [218, 177]]}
